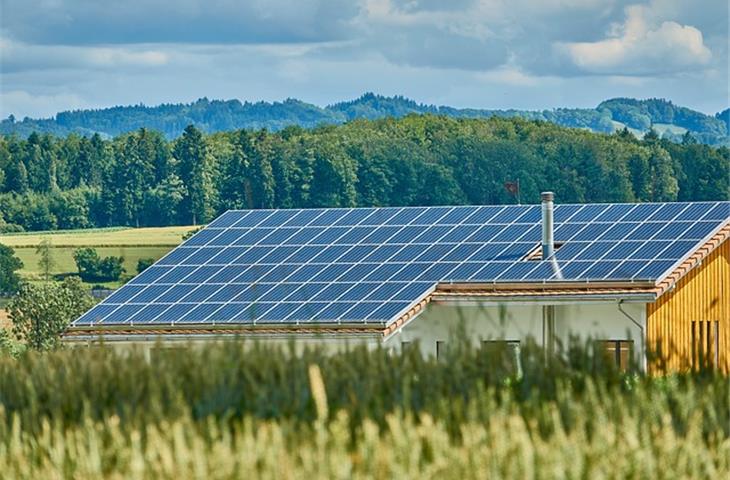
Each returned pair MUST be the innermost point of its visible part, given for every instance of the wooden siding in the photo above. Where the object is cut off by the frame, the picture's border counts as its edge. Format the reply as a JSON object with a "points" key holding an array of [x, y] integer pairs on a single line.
{"points": [[677, 320]]}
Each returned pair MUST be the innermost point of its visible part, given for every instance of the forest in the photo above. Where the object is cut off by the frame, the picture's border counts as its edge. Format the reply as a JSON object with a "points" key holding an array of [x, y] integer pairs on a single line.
{"points": [[142, 179], [639, 116]]}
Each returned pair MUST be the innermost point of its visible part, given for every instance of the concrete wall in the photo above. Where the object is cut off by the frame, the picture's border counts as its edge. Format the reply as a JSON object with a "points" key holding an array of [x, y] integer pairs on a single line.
{"points": [[510, 321], [150, 344]]}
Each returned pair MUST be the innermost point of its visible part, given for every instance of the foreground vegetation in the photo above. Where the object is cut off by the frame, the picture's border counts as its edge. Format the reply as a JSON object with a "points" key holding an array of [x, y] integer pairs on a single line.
{"points": [[223, 410]]}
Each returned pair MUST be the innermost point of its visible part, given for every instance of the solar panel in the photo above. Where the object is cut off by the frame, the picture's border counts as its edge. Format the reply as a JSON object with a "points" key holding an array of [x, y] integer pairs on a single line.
{"points": [[368, 265]]}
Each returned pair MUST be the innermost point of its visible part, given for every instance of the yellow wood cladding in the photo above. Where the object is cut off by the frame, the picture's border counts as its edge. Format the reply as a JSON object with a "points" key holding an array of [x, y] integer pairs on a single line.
{"points": [[683, 323]]}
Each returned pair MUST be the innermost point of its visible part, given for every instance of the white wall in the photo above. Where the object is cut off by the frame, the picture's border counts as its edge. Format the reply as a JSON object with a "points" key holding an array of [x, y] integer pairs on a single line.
{"points": [[510, 321], [148, 344]]}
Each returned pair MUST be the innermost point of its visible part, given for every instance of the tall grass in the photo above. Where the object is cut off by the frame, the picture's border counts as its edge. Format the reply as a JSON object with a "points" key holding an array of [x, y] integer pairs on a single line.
{"points": [[225, 412]]}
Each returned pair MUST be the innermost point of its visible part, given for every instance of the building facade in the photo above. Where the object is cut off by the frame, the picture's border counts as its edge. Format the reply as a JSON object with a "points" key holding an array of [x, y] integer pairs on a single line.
{"points": [[649, 282]]}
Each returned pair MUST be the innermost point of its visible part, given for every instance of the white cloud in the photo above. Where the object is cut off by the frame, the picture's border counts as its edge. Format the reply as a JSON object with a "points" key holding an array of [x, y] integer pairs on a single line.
{"points": [[18, 56], [25, 103], [510, 75], [637, 48], [469, 53]]}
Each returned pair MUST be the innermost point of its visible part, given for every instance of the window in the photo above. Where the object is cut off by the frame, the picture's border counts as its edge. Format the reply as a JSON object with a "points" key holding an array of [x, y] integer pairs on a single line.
{"points": [[507, 351], [705, 344], [618, 352]]}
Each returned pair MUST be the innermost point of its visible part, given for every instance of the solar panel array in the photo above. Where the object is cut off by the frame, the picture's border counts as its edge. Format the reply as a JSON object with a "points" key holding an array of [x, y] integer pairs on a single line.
{"points": [[368, 265]]}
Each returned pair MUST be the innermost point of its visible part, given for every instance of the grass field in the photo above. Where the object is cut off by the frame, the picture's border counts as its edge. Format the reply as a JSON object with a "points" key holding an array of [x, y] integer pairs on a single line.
{"points": [[130, 243], [224, 411]]}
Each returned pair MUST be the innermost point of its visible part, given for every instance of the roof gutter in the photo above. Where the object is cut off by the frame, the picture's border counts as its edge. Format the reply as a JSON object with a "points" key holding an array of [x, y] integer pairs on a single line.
{"points": [[465, 299]]}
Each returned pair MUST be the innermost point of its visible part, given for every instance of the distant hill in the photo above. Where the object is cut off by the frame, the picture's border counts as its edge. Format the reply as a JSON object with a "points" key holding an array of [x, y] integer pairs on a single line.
{"points": [[669, 120]]}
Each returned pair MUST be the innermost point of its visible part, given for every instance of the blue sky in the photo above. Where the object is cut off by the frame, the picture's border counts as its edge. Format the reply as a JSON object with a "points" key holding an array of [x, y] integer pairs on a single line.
{"points": [[528, 54]]}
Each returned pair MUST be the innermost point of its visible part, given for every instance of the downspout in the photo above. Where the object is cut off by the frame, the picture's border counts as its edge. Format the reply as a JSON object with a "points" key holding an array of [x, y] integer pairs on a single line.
{"points": [[548, 251], [641, 329]]}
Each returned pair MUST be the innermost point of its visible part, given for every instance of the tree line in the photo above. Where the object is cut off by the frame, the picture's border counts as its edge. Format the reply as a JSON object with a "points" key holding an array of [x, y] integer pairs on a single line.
{"points": [[225, 115], [142, 179]]}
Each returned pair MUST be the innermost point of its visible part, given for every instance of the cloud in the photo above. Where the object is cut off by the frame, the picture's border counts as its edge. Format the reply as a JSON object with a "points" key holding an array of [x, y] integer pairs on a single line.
{"points": [[509, 75], [38, 105], [635, 48], [83, 22], [18, 57], [431, 34], [469, 53]]}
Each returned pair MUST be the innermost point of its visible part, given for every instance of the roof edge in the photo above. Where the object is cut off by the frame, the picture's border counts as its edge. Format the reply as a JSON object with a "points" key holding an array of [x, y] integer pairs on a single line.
{"points": [[586, 285], [147, 330], [670, 279]]}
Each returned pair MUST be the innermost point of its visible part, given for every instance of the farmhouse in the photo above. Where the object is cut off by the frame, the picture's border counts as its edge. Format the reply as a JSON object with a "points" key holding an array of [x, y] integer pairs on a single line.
{"points": [[630, 276]]}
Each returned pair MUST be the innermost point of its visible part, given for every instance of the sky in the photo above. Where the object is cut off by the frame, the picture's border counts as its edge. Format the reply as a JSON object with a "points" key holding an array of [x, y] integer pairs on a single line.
{"points": [[60, 55]]}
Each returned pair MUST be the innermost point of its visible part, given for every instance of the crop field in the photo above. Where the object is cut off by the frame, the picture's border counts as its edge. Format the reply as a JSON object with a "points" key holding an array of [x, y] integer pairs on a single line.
{"points": [[248, 410], [130, 243]]}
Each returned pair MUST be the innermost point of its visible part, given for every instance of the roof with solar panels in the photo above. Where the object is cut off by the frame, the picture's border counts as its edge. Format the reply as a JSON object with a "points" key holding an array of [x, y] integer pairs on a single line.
{"points": [[369, 268]]}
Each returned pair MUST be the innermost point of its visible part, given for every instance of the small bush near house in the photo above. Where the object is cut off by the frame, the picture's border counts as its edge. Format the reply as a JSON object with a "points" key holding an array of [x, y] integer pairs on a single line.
{"points": [[41, 312]]}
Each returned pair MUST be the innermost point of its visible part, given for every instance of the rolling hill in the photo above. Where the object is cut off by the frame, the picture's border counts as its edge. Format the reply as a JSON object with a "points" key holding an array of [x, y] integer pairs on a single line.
{"points": [[638, 116]]}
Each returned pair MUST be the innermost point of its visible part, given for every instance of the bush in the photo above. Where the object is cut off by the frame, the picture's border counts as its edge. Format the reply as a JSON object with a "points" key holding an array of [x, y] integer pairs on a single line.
{"points": [[189, 234], [9, 265], [92, 268], [11, 228], [8, 345], [40, 313], [144, 263]]}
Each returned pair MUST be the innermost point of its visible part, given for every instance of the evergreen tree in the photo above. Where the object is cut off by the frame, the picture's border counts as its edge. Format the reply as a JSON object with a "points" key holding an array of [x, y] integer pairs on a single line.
{"points": [[162, 202], [16, 177], [333, 179], [664, 185], [235, 185], [195, 170], [130, 179]]}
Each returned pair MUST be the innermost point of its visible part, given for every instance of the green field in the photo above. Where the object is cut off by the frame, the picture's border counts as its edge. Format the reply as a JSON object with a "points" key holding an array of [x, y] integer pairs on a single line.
{"points": [[130, 243], [224, 411]]}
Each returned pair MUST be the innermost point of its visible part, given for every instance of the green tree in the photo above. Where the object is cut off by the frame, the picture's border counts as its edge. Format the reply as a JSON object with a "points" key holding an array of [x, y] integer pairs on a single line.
{"points": [[46, 262], [195, 170], [144, 263], [41, 312], [664, 185], [236, 185], [9, 265], [334, 177], [162, 202], [8, 344], [92, 268], [131, 177], [16, 177]]}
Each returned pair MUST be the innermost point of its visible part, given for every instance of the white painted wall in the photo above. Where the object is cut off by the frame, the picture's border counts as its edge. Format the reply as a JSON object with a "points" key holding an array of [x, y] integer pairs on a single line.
{"points": [[510, 321], [148, 344]]}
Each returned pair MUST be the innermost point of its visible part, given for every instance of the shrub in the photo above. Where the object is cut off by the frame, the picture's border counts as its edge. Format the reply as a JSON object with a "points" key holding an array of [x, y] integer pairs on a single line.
{"points": [[93, 268], [9, 265], [144, 263], [40, 313]]}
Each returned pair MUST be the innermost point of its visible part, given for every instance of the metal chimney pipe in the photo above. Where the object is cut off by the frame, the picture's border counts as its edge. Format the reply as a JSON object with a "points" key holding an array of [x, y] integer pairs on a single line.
{"points": [[548, 243]]}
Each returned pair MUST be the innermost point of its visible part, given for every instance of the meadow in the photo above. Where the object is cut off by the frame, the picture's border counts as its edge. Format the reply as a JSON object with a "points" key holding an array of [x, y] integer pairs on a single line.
{"points": [[130, 243], [233, 410]]}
